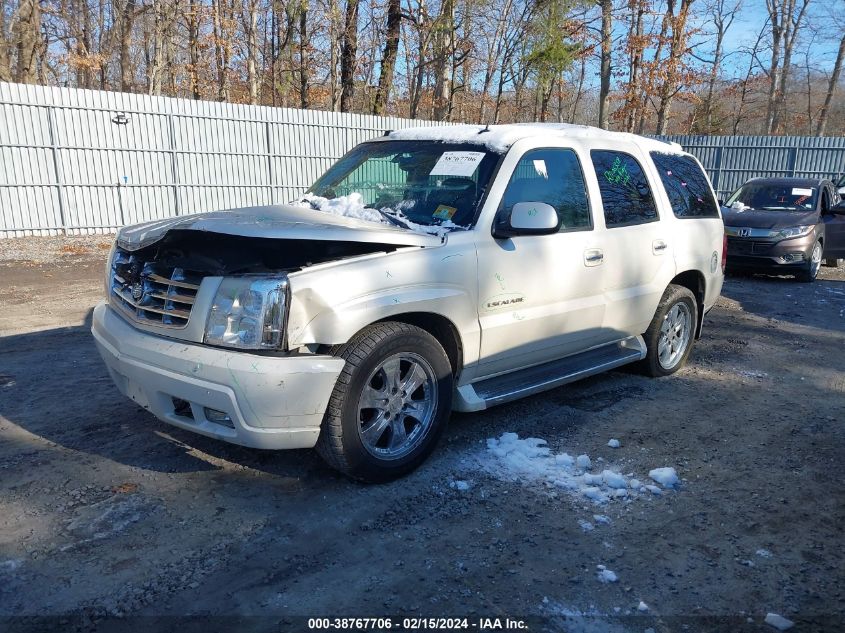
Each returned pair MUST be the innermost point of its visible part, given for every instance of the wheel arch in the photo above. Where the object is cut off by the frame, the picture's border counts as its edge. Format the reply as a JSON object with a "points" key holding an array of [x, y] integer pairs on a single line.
{"points": [[695, 282], [439, 327]]}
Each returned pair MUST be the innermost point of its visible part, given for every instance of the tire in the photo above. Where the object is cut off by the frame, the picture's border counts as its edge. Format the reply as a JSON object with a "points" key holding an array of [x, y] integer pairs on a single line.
{"points": [[677, 304], [809, 273], [831, 262], [386, 441]]}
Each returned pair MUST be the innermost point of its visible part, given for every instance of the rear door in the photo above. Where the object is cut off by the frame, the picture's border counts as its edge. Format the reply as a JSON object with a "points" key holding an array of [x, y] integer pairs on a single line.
{"points": [[636, 247], [834, 230]]}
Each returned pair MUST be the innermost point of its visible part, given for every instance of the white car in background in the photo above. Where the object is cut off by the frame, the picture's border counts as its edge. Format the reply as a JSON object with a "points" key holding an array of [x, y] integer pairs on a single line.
{"points": [[429, 270]]}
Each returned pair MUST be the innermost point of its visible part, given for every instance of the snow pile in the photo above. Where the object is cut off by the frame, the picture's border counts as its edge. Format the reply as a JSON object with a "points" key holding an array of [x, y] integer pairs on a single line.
{"points": [[764, 553], [642, 607], [586, 525], [351, 206], [513, 459], [605, 575], [614, 443], [664, 476], [460, 485], [779, 622], [499, 138]]}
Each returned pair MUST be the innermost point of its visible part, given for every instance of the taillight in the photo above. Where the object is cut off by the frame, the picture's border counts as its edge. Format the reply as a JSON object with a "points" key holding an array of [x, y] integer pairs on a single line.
{"points": [[724, 251]]}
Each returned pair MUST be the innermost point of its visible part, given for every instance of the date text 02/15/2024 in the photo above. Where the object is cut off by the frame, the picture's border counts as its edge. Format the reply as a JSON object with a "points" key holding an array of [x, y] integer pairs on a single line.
{"points": [[416, 624]]}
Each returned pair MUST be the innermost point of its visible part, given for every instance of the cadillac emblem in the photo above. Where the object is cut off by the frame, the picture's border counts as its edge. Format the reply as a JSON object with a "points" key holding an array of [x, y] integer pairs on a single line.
{"points": [[137, 291]]}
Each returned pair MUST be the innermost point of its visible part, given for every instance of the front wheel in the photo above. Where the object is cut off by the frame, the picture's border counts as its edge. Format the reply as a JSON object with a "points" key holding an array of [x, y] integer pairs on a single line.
{"points": [[669, 337], [390, 404], [811, 270]]}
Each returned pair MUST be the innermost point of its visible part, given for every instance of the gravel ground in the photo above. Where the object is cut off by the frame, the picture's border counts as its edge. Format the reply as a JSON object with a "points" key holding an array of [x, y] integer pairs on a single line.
{"points": [[107, 513]]}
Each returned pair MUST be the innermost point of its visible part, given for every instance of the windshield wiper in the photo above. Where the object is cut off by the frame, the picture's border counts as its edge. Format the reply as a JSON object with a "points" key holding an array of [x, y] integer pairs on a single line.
{"points": [[392, 219]]}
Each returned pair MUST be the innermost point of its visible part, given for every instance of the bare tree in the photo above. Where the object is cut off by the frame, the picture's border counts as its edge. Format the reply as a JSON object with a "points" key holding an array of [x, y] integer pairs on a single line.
{"points": [[785, 17], [749, 76], [5, 40], [249, 20], [672, 82], [388, 58], [606, 60], [26, 33], [348, 56], [443, 44], [193, 18], [723, 13], [838, 15]]}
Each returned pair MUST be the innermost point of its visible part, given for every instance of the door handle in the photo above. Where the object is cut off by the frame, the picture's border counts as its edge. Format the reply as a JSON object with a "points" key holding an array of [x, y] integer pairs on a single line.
{"points": [[593, 257], [658, 246]]}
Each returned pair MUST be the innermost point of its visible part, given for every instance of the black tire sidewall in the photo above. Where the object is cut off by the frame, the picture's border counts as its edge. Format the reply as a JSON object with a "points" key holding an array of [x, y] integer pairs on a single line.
{"points": [[672, 296], [807, 275], [363, 464]]}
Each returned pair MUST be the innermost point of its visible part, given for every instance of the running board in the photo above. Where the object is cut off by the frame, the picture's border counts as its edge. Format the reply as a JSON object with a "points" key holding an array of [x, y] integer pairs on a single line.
{"points": [[525, 382]]}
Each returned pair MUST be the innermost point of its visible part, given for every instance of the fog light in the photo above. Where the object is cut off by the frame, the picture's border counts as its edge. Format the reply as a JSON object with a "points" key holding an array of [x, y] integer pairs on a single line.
{"points": [[182, 408], [218, 417], [787, 257]]}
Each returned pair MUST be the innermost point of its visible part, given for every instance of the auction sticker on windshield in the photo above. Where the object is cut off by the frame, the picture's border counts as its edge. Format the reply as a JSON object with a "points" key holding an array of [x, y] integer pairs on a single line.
{"points": [[797, 191], [457, 164]]}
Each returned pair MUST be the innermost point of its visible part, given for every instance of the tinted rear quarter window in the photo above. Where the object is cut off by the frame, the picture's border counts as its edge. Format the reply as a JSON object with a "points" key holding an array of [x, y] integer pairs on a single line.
{"points": [[686, 186], [625, 193]]}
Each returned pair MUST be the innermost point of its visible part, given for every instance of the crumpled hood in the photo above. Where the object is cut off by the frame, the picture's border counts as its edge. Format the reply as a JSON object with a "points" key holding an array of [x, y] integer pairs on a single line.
{"points": [[276, 221], [752, 219]]}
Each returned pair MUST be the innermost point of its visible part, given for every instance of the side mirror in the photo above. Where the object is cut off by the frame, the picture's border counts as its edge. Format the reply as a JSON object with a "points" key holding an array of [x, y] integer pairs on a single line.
{"points": [[720, 202], [530, 218]]}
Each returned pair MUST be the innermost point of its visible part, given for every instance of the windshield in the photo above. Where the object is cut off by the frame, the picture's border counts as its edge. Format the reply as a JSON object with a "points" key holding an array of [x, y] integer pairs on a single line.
{"points": [[775, 197], [409, 183]]}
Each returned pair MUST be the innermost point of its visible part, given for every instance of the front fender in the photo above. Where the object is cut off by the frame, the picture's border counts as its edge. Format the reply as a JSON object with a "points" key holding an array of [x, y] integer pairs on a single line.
{"points": [[330, 304]]}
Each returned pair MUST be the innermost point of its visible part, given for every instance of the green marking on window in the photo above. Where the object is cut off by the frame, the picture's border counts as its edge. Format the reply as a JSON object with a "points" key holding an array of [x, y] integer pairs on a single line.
{"points": [[532, 212], [618, 173]]}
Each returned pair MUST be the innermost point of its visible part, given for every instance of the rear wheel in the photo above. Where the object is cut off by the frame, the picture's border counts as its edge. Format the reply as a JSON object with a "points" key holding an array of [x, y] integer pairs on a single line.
{"points": [[390, 404], [811, 270], [669, 338]]}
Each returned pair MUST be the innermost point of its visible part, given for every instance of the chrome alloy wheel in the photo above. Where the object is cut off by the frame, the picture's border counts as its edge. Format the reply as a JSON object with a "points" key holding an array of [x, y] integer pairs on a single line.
{"points": [[815, 260], [397, 405], [675, 334]]}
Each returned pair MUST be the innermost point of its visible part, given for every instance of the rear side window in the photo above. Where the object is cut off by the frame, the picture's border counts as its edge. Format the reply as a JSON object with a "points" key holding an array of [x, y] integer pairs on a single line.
{"points": [[552, 176], [625, 193], [686, 185]]}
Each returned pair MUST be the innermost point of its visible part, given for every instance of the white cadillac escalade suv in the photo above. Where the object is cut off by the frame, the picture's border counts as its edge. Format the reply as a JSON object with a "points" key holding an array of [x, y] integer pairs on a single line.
{"points": [[429, 270]]}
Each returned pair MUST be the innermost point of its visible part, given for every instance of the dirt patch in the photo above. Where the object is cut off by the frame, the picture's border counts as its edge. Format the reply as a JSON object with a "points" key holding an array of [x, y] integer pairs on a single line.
{"points": [[105, 511]]}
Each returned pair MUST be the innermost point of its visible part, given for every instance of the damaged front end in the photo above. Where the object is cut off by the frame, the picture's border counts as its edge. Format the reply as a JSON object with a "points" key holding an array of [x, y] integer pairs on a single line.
{"points": [[230, 270]]}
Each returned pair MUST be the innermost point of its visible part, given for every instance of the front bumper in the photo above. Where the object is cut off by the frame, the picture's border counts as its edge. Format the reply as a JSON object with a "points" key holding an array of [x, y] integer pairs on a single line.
{"points": [[749, 253], [271, 402]]}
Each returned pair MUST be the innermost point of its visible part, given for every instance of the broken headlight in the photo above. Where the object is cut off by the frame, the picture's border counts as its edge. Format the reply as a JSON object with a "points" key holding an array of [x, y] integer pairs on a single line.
{"points": [[248, 313]]}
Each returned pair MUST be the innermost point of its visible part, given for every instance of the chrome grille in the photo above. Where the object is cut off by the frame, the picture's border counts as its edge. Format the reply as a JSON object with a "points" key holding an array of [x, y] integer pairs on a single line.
{"points": [[150, 293]]}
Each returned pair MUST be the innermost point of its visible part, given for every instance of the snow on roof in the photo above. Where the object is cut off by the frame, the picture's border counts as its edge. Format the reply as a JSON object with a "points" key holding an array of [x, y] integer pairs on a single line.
{"points": [[499, 138]]}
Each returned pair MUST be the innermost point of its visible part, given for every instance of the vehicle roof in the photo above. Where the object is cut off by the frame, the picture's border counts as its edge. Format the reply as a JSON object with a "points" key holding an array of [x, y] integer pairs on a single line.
{"points": [[790, 182], [499, 138]]}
